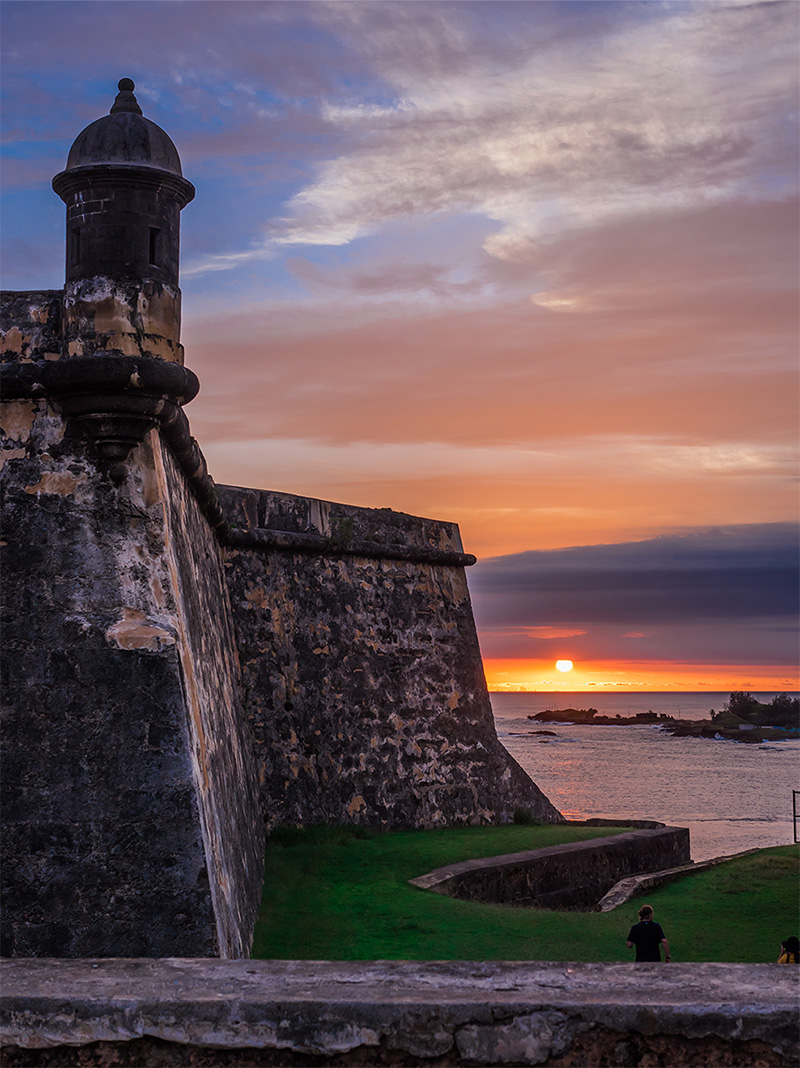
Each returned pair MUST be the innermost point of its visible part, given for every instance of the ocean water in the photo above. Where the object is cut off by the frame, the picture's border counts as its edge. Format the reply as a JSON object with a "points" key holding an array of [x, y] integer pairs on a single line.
{"points": [[731, 796]]}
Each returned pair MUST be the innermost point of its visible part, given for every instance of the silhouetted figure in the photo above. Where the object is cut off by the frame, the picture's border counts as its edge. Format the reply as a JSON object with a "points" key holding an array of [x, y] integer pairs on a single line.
{"points": [[648, 937]]}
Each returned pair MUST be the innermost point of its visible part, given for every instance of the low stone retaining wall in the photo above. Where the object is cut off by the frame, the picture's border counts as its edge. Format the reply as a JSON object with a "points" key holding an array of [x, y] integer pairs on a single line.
{"points": [[573, 876], [625, 889], [204, 1012]]}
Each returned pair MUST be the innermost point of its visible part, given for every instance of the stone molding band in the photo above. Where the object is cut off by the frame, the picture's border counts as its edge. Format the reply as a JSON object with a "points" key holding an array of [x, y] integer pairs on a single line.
{"points": [[112, 400], [124, 176], [115, 400], [289, 541], [100, 373]]}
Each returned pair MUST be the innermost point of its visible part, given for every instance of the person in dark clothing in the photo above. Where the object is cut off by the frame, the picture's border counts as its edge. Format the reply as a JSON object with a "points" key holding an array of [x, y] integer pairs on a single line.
{"points": [[648, 937]]}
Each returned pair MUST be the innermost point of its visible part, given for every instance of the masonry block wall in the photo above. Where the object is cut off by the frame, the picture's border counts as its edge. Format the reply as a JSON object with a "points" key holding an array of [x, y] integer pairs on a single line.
{"points": [[362, 672], [185, 668], [131, 814], [223, 760], [168, 696]]}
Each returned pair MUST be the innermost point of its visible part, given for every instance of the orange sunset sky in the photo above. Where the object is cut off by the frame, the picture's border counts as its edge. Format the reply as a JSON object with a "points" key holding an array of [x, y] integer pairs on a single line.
{"points": [[530, 267]]}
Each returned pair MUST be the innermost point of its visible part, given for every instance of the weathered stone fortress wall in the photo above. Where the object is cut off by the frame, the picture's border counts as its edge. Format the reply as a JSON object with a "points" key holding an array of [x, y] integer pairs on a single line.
{"points": [[30, 325], [137, 683], [184, 668], [223, 761], [362, 671], [131, 812]]}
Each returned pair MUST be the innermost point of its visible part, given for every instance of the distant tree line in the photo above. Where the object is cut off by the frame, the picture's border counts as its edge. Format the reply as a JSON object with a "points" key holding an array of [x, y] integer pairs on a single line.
{"points": [[741, 707]]}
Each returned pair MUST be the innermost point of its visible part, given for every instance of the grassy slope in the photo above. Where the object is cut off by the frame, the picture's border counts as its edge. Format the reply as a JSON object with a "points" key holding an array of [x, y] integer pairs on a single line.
{"points": [[341, 894], [739, 911]]}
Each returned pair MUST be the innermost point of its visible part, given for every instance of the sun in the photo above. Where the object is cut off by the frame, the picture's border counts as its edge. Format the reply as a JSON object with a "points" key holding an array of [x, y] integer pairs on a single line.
{"points": [[564, 665]]}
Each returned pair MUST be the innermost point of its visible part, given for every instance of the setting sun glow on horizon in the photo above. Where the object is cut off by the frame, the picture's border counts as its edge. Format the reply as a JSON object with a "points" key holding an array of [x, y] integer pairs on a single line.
{"points": [[536, 675]]}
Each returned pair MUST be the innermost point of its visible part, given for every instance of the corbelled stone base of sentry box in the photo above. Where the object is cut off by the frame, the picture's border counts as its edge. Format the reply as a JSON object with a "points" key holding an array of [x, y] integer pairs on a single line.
{"points": [[203, 1012]]}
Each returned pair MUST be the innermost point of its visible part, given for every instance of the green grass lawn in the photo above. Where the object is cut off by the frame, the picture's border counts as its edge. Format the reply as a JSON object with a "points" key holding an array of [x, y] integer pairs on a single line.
{"points": [[340, 893]]}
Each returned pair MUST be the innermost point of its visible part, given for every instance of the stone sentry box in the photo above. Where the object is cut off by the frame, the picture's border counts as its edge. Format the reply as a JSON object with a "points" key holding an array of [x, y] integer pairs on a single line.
{"points": [[183, 666], [132, 822]]}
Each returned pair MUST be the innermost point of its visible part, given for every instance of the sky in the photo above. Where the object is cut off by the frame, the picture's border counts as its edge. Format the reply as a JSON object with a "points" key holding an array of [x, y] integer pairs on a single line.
{"points": [[530, 267]]}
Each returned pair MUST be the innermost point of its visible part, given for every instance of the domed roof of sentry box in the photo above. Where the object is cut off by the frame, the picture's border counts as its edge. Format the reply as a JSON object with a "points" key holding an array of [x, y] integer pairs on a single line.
{"points": [[124, 137]]}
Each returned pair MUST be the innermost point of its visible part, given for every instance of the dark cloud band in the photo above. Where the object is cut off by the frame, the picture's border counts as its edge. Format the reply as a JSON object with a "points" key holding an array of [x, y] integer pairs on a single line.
{"points": [[722, 575]]}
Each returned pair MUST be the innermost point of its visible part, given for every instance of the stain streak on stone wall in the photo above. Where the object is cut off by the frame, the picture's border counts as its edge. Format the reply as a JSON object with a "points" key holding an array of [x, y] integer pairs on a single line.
{"points": [[138, 318], [30, 325]]}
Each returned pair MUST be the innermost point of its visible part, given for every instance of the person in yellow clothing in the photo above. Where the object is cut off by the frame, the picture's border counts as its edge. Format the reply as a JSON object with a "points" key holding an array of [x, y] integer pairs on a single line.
{"points": [[790, 951]]}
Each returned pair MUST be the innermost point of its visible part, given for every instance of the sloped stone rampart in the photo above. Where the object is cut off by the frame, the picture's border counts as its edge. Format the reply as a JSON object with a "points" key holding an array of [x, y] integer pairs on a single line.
{"points": [[250, 1013], [571, 876], [224, 766], [362, 674]]}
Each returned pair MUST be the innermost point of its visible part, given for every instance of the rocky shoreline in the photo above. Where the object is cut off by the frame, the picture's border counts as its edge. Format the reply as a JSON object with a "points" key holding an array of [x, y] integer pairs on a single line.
{"points": [[704, 728], [593, 717], [680, 728]]}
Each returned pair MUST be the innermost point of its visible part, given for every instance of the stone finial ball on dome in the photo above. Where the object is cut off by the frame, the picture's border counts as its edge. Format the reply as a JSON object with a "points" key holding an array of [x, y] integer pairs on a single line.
{"points": [[125, 100]]}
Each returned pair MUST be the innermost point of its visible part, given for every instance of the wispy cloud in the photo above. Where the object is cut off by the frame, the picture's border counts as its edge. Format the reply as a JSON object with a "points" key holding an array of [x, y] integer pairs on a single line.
{"points": [[224, 261], [664, 111]]}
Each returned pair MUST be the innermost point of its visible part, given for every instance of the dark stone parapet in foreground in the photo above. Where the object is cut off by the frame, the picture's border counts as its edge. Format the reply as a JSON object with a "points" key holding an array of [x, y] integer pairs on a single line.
{"points": [[210, 1012], [571, 876]]}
